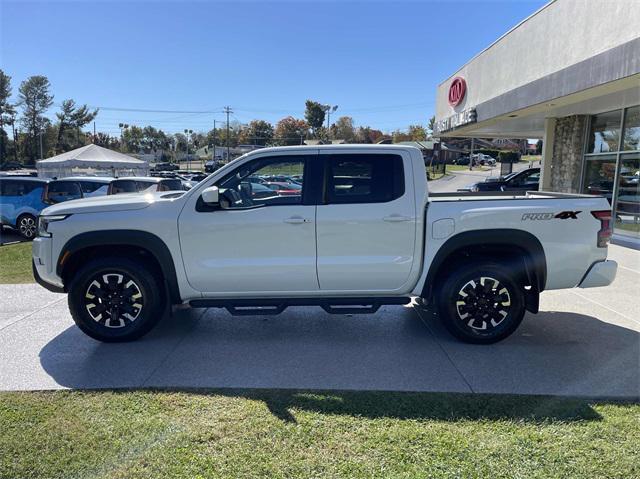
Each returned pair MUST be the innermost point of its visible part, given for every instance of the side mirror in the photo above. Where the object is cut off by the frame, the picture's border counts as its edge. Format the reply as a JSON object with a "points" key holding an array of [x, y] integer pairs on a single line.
{"points": [[211, 195]]}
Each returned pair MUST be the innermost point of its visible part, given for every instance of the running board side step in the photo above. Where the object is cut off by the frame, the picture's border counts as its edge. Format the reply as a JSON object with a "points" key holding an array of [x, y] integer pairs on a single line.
{"points": [[253, 307]]}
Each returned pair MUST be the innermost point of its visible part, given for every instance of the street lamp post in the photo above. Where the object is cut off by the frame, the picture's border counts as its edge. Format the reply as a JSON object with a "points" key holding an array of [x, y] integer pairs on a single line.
{"points": [[328, 110], [187, 133]]}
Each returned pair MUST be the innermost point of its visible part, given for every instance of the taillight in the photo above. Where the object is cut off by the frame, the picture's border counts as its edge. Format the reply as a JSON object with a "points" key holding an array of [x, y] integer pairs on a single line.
{"points": [[604, 234]]}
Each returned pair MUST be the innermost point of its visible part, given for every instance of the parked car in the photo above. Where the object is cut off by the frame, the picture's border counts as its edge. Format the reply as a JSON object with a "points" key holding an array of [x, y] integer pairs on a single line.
{"points": [[363, 233], [165, 166], [211, 166], [21, 201], [283, 188], [75, 187], [482, 159], [525, 180], [144, 184]]}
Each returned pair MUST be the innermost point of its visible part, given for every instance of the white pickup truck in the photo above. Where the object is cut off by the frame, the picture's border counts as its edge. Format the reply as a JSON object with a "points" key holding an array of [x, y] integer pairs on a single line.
{"points": [[353, 229]]}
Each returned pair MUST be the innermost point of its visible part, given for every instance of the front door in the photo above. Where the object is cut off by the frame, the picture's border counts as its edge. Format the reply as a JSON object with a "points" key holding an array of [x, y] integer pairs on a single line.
{"points": [[253, 242], [366, 224]]}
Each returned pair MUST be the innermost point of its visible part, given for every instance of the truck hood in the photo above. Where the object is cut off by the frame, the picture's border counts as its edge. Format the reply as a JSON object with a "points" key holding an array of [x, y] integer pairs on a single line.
{"points": [[121, 202]]}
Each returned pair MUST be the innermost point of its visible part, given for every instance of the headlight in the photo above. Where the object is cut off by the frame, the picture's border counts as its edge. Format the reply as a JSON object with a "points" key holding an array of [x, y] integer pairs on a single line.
{"points": [[45, 221]]}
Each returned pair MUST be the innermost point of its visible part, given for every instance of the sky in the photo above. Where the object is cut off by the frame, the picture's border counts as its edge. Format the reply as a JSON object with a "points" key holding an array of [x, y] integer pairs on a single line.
{"points": [[182, 62]]}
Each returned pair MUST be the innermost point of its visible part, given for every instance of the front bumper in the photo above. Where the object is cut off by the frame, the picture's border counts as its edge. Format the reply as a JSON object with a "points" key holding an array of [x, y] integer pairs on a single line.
{"points": [[601, 273], [51, 287], [42, 265]]}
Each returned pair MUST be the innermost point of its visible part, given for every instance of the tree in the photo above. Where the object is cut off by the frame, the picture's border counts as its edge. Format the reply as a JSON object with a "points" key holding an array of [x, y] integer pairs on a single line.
{"points": [[105, 140], [258, 132], [417, 133], [431, 126], [72, 118], [314, 114], [366, 134], [343, 129], [35, 100], [133, 139], [291, 131], [7, 112]]}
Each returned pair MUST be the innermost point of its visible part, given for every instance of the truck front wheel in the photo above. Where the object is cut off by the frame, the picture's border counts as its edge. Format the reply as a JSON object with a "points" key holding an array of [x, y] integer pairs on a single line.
{"points": [[481, 302], [115, 299]]}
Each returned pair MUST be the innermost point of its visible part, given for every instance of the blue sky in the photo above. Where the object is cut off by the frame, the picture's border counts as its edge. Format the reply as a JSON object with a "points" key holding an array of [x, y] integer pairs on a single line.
{"points": [[379, 61]]}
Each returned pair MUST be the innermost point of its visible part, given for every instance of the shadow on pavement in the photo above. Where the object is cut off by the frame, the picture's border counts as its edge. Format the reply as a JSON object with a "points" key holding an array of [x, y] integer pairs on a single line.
{"points": [[554, 353]]}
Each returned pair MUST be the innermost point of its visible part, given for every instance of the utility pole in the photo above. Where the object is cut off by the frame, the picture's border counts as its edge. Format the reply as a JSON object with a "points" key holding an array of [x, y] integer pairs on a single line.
{"points": [[214, 140], [473, 142], [228, 111], [94, 132], [41, 144]]}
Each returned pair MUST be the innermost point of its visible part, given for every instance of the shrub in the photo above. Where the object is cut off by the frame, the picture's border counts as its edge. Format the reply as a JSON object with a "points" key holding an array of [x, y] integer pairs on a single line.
{"points": [[508, 157]]}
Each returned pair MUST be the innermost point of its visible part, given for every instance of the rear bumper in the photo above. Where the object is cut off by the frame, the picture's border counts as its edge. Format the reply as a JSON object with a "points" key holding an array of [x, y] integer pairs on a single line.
{"points": [[601, 273]]}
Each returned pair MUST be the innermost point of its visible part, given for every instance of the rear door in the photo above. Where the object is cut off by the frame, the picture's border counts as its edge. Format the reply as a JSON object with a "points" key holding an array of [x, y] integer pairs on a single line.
{"points": [[366, 224]]}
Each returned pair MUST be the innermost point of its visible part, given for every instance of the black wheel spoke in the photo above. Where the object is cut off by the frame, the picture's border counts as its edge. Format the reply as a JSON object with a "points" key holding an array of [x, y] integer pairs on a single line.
{"points": [[480, 304], [113, 299]]}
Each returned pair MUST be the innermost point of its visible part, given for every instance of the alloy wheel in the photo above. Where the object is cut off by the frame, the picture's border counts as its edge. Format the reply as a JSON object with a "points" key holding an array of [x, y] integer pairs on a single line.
{"points": [[483, 303], [27, 227], [113, 300]]}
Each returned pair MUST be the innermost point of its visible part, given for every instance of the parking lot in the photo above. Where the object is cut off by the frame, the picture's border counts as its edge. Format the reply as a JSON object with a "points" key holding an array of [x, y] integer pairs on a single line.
{"points": [[584, 345]]}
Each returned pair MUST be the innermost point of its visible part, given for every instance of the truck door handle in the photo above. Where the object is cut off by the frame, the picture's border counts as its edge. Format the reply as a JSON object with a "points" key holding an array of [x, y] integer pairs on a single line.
{"points": [[396, 218], [295, 220]]}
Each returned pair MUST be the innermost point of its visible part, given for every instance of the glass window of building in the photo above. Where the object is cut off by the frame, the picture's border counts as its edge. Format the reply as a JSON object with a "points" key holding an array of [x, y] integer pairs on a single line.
{"points": [[604, 135], [600, 175], [627, 214], [612, 166], [631, 134]]}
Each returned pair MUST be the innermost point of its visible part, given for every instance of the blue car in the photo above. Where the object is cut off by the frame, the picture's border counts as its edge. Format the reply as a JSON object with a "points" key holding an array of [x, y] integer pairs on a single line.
{"points": [[21, 200]]}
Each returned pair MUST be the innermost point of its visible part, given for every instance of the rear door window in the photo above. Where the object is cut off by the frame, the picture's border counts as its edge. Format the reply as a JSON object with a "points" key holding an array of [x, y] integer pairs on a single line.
{"points": [[363, 178], [123, 186], [59, 191], [12, 188], [170, 185]]}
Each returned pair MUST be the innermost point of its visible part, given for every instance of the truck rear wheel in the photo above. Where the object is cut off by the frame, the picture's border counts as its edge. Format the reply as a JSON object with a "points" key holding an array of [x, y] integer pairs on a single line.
{"points": [[481, 302], [115, 299]]}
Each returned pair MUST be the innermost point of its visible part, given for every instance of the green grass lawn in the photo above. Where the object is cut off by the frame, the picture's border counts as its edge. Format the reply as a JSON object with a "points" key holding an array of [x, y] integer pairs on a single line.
{"points": [[15, 263], [272, 434]]}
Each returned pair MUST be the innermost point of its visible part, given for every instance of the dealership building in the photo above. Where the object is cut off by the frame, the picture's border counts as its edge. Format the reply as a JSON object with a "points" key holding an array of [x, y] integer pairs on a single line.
{"points": [[570, 75]]}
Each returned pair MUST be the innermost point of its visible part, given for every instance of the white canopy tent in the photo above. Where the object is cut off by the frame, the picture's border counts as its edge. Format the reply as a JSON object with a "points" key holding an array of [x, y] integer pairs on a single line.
{"points": [[91, 160]]}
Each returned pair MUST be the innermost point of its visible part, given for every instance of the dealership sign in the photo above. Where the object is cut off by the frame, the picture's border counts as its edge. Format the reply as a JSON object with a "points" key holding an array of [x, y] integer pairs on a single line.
{"points": [[457, 90], [457, 120]]}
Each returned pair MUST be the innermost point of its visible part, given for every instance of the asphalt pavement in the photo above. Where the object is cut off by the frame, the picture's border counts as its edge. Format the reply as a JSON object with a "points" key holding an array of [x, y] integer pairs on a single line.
{"points": [[582, 343]]}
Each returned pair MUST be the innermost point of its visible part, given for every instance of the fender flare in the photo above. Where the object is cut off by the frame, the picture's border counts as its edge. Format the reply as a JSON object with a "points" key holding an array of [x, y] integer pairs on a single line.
{"points": [[140, 239], [534, 258]]}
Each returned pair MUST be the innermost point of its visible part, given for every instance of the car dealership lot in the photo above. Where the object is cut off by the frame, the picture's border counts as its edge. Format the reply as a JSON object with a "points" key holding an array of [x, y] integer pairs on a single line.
{"points": [[584, 343]]}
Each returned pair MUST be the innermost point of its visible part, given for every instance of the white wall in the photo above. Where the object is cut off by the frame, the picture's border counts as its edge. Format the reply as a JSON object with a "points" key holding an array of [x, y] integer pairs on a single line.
{"points": [[562, 33]]}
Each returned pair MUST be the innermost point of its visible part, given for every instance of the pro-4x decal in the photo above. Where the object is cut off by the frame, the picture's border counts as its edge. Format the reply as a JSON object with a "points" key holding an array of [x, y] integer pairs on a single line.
{"points": [[565, 215]]}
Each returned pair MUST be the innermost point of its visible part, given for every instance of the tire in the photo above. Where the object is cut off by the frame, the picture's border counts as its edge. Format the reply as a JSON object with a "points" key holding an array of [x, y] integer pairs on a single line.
{"points": [[27, 226], [481, 302], [115, 299]]}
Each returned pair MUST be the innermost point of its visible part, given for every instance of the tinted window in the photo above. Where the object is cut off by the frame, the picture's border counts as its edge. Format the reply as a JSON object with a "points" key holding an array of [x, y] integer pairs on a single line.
{"points": [[146, 186], [59, 191], [170, 185], [91, 186], [18, 188], [364, 178], [123, 186]]}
